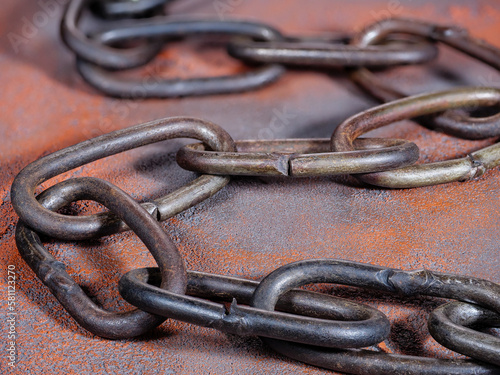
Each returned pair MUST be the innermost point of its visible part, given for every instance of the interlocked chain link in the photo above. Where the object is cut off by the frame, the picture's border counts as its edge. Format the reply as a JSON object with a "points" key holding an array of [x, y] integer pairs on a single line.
{"points": [[457, 123], [314, 328]]}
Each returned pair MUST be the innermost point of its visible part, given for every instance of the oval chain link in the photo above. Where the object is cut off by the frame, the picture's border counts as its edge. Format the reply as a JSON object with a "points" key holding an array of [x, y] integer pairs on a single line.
{"points": [[457, 123]]}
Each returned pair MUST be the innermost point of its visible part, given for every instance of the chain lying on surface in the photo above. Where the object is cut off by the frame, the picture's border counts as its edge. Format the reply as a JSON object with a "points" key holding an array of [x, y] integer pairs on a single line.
{"points": [[143, 23], [343, 156], [315, 328], [97, 60], [456, 123]]}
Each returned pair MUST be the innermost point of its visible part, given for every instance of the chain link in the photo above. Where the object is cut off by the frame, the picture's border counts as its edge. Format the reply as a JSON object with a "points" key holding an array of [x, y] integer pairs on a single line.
{"points": [[86, 227], [69, 293], [470, 167], [109, 83], [456, 123], [97, 60], [262, 158], [315, 54]]}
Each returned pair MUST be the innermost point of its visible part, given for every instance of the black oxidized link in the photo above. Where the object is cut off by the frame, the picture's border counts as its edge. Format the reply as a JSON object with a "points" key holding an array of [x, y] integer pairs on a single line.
{"points": [[85, 227], [307, 53], [470, 167], [53, 273], [89, 49], [97, 58], [323, 320], [407, 283], [457, 123], [451, 325], [159, 27]]}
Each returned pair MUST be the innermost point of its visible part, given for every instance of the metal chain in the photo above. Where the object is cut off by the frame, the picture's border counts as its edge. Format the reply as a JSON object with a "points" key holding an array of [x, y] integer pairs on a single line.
{"points": [[345, 154], [315, 328], [315, 54], [97, 60], [69, 293], [470, 167], [455, 123], [87, 227], [304, 318], [109, 83], [286, 157], [333, 322]]}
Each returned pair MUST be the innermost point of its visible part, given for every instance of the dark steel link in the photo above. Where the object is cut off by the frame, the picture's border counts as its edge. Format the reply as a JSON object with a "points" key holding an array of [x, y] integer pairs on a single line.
{"points": [[109, 83], [299, 158], [53, 273], [94, 51], [406, 283], [449, 325], [372, 326], [85, 227], [457, 123], [468, 168], [226, 288], [128, 88], [322, 54]]}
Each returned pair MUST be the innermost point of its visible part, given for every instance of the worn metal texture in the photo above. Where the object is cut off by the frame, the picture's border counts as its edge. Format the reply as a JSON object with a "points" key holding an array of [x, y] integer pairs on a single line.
{"points": [[253, 225], [455, 123]]}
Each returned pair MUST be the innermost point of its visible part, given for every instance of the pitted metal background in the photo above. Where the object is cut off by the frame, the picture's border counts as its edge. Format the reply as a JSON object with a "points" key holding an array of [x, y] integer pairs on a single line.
{"points": [[255, 224]]}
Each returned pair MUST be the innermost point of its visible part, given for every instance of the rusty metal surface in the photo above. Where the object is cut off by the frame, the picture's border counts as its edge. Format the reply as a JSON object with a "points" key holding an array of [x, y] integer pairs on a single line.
{"points": [[253, 225]]}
